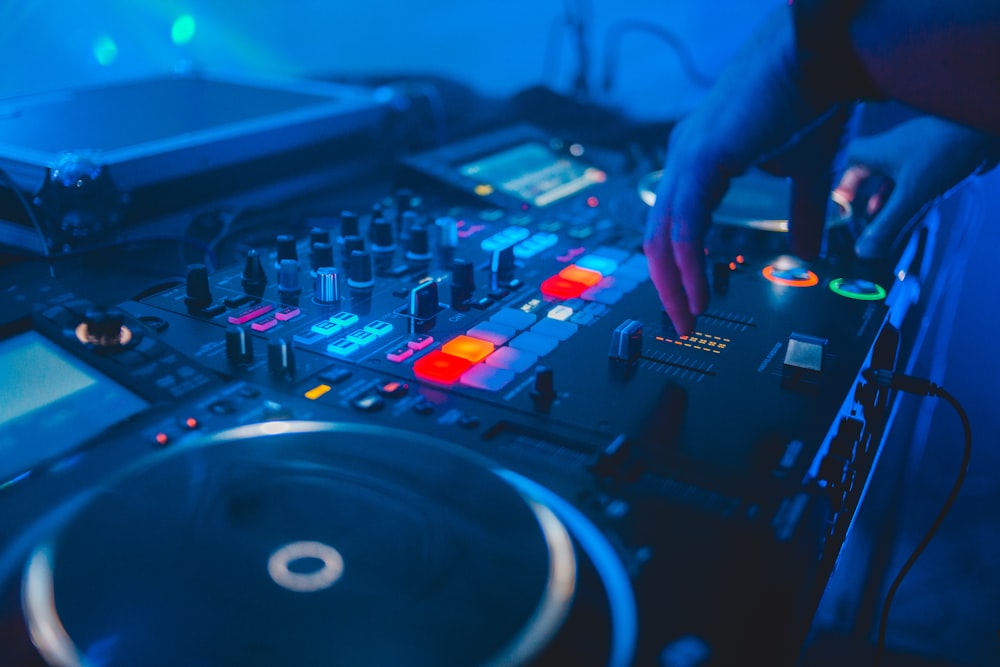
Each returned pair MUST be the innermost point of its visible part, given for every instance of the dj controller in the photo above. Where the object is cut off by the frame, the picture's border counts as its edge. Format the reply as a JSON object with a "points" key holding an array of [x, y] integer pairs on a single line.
{"points": [[450, 427]]}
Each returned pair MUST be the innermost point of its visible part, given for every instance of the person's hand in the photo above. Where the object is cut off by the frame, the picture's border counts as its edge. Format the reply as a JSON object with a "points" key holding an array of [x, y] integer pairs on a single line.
{"points": [[892, 177], [758, 110]]}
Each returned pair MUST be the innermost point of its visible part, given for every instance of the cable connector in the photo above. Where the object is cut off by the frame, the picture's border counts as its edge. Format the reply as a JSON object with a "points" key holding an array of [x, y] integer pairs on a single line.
{"points": [[907, 383]]}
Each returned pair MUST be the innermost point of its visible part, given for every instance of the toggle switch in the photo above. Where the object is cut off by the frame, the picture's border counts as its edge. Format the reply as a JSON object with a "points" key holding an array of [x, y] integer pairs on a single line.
{"points": [[626, 341], [424, 300], [239, 345]]}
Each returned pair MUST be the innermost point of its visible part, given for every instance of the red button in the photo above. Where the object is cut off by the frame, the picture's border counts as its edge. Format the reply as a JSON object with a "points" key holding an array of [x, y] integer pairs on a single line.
{"points": [[440, 367], [560, 288]]}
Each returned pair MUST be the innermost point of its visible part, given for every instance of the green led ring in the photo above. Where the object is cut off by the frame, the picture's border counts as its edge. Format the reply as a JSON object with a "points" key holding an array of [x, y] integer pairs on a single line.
{"points": [[878, 295]]}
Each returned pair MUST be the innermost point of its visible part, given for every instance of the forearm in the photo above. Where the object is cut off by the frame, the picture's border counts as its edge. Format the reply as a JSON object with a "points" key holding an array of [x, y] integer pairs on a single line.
{"points": [[938, 56]]}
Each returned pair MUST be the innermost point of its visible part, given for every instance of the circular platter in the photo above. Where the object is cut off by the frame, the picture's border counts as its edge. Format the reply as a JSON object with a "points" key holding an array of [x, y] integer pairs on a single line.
{"points": [[286, 543]]}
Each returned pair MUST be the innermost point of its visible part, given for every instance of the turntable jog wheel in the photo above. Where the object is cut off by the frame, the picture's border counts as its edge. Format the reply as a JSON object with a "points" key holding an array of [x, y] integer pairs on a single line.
{"points": [[295, 543]]}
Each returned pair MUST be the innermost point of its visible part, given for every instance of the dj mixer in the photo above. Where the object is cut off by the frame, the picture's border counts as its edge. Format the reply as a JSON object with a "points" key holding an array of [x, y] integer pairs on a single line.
{"points": [[450, 427]]}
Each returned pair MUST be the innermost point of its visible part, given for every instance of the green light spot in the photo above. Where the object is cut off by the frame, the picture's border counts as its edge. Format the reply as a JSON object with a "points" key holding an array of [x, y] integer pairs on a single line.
{"points": [[105, 50], [182, 31], [861, 290]]}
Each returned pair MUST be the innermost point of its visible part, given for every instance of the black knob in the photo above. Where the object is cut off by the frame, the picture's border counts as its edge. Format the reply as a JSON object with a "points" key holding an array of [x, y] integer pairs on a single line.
{"points": [[543, 391], [350, 224], [419, 246], [199, 296], [383, 235], [360, 273], [321, 255], [404, 200], [463, 275], [104, 325], [288, 278], [280, 357], [318, 235], [254, 278], [286, 249], [351, 244], [407, 221], [239, 345]]}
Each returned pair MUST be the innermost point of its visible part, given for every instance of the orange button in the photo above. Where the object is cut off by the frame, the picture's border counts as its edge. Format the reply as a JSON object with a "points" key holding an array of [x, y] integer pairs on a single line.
{"points": [[467, 347], [440, 367], [578, 274]]}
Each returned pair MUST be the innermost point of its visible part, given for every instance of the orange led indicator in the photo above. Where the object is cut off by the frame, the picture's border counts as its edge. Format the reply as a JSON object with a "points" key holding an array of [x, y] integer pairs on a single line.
{"points": [[732, 266], [317, 391], [797, 277], [191, 423], [162, 438], [467, 347], [483, 189], [437, 366], [740, 259], [578, 274], [560, 288]]}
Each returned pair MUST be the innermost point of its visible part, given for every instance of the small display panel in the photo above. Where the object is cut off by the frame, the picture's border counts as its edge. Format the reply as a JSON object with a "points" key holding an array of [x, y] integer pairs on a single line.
{"points": [[533, 173], [47, 401]]}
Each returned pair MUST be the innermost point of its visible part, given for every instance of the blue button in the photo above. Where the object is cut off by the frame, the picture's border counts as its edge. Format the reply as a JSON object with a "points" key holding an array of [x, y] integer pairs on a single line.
{"points": [[555, 329], [603, 265], [362, 337], [344, 318], [486, 377], [378, 327], [342, 347], [535, 343], [326, 328], [518, 319], [512, 359], [498, 334]]}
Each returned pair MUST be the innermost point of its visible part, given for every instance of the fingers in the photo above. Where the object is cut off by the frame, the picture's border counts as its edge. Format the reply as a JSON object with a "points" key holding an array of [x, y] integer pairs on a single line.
{"points": [[886, 228], [670, 285], [664, 269]]}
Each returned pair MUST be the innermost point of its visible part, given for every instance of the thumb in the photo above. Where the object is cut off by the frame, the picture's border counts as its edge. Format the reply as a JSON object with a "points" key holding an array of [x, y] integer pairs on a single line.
{"points": [[901, 209]]}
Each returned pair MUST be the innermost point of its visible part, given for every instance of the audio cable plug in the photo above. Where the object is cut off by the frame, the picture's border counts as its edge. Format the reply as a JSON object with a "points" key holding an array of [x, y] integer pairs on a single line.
{"points": [[908, 383]]}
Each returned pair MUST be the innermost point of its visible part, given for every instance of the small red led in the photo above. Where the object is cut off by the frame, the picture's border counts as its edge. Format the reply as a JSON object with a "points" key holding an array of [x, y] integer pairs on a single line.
{"points": [[560, 288], [593, 202], [191, 423], [437, 366], [162, 438], [740, 259], [732, 266]]}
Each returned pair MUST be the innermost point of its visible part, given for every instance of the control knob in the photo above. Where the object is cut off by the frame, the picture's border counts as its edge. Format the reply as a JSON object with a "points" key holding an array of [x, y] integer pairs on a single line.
{"points": [[199, 295], [254, 279]]}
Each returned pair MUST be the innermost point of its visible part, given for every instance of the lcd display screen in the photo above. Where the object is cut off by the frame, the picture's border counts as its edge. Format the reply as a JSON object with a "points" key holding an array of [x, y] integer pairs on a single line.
{"points": [[533, 173], [47, 402]]}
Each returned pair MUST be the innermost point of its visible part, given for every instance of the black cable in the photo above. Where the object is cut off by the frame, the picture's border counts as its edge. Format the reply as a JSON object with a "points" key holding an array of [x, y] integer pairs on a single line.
{"points": [[921, 387], [612, 46], [30, 212]]}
